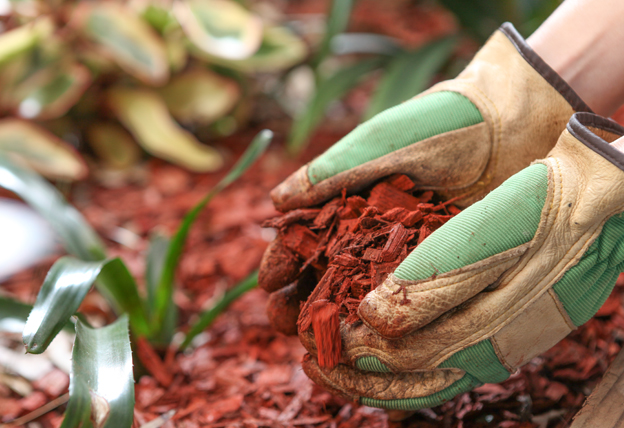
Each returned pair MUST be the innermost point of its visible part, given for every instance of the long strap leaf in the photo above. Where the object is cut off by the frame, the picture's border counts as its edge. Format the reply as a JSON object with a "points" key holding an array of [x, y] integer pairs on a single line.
{"points": [[13, 315], [339, 15], [78, 237], [64, 289], [409, 73], [156, 256], [101, 389], [164, 290], [327, 91]]}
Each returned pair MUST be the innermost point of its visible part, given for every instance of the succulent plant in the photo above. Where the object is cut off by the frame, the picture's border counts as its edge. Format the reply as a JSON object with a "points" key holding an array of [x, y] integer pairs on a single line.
{"points": [[117, 73]]}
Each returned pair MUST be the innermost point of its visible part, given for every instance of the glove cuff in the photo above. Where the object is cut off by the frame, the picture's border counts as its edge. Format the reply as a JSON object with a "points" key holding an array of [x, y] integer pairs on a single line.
{"points": [[597, 132], [544, 69], [524, 102]]}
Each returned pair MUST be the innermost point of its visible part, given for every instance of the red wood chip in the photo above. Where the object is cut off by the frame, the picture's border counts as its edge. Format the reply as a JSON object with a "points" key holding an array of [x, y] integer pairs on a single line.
{"points": [[402, 182], [326, 327], [301, 240], [326, 216], [385, 196], [152, 362], [396, 239]]}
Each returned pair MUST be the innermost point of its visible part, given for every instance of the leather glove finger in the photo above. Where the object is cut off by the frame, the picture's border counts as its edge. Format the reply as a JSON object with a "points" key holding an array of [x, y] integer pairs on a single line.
{"points": [[395, 391], [279, 266], [284, 305]]}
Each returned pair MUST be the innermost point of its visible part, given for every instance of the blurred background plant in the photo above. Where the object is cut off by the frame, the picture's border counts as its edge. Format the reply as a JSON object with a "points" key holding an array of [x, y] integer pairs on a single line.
{"points": [[173, 75], [106, 75], [404, 46]]}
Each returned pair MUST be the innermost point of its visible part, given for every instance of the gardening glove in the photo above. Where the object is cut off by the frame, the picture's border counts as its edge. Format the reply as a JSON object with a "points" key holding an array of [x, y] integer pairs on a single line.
{"points": [[495, 286], [461, 137]]}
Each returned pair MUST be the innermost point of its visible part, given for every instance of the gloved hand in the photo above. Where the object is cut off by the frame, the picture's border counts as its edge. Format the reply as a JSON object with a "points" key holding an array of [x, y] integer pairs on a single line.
{"points": [[495, 286], [461, 137]]}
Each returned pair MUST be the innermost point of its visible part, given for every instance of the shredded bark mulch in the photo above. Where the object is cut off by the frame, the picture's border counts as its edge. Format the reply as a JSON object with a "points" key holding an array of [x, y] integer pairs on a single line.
{"points": [[352, 244]]}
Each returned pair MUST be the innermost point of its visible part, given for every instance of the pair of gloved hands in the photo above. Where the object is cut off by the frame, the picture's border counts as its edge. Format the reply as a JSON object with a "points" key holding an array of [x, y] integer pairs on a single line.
{"points": [[508, 277]]}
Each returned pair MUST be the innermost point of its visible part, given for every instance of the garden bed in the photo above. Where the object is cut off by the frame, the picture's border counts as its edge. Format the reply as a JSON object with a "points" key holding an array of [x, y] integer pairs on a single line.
{"points": [[242, 372]]}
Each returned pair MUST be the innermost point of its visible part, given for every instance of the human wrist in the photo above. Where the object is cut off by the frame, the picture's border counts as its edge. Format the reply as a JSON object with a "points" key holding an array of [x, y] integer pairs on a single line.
{"points": [[585, 59]]}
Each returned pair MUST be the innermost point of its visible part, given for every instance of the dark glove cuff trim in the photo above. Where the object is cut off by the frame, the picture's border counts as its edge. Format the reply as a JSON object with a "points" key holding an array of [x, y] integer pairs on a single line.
{"points": [[544, 69], [578, 126]]}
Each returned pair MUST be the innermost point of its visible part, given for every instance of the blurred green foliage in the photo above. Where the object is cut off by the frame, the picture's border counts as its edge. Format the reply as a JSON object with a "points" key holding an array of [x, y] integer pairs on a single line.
{"points": [[117, 73], [404, 73], [159, 73]]}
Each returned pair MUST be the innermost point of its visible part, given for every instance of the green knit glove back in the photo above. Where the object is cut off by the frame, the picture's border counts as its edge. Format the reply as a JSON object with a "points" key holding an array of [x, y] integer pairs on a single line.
{"points": [[396, 128]]}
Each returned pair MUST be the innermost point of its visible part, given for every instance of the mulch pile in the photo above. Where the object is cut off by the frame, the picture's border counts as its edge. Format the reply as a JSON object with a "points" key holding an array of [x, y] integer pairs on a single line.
{"points": [[352, 243]]}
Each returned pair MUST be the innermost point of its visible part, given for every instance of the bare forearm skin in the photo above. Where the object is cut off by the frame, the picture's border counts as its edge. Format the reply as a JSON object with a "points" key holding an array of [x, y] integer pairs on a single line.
{"points": [[583, 41]]}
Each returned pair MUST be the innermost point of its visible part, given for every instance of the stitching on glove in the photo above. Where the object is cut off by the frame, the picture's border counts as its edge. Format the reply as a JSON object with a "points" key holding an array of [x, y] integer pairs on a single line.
{"points": [[577, 126], [498, 138], [499, 354], [473, 94], [561, 309]]}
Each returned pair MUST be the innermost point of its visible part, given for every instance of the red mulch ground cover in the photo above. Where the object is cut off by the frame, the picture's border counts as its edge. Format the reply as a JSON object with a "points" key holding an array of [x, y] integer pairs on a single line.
{"points": [[244, 374], [241, 372]]}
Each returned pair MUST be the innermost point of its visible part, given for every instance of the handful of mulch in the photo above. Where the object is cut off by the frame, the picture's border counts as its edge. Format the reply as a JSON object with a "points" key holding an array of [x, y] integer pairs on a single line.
{"points": [[352, 244]]}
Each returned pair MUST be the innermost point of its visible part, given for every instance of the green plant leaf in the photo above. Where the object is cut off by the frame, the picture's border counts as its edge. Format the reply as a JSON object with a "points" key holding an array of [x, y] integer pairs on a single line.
{"points": [[65, 287], [122, 35], [337, 23], [200, 96], [52, 55], [156, 258], [177, 54], [144, 113], [206, 318], [158, 16], [164, 289], [22, 39], [113, 144], [13, 315], [116, 283], [62, 292], [35, 147], [280, 49], [222, 28], [409, 73], [101, 387], [364, 43], [50, 92], [482, 17], [77, 235], [327, 91]]}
